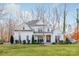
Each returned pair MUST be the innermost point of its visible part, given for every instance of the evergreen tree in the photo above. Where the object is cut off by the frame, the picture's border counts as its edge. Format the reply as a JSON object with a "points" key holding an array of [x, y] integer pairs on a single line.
{"points": [[64, 22], [11, 40]]}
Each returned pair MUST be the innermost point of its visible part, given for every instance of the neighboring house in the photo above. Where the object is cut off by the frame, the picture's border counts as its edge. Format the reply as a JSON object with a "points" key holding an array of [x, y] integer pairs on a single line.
{"points": [[23, 32]]}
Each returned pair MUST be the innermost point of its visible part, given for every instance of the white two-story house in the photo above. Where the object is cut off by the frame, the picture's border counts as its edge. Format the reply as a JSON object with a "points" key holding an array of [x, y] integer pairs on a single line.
{"points": [[40, 30]]}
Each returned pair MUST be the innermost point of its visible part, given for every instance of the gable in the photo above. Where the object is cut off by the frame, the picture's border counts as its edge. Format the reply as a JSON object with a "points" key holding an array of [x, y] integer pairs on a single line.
{"points": [[23, 26], [39, 22]]}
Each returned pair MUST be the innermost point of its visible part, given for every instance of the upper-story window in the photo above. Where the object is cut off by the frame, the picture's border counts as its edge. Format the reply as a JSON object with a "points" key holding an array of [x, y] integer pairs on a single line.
{"points": [[23, 28], [20, 38], [40, 30]]}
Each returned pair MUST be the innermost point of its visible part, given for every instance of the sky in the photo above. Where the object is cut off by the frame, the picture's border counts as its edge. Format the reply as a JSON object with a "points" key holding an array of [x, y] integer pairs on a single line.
{"points": [[71, 8]]}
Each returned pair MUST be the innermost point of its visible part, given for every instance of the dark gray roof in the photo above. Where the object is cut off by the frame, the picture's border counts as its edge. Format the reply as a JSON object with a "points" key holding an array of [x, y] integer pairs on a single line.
{"points": [[32, 22]]}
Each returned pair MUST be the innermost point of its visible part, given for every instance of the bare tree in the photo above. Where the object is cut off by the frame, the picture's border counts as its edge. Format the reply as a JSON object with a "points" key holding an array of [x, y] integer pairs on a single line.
{"points": [[1, 31], [39, 12], [55, 18], [9, 29], [2, 16]]}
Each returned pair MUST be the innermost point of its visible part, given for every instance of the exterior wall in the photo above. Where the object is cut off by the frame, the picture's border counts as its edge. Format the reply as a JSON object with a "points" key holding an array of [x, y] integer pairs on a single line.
{"points": [[23, 35], [57, 33]]}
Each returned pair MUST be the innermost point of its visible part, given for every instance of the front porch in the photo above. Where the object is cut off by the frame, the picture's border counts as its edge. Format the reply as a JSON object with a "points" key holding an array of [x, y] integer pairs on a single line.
{"points": [[43, 38]]}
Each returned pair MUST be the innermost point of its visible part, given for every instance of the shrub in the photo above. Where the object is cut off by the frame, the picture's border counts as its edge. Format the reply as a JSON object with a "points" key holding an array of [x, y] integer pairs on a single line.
{"points": [[16, 41], [61, 42], [35, 42], [1, 41], [24, 41], [68, 41], [53, 43]]}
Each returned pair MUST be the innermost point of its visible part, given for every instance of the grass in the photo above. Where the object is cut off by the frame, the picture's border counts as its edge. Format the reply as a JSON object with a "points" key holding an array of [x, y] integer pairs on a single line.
{"points": [[39, 50]]}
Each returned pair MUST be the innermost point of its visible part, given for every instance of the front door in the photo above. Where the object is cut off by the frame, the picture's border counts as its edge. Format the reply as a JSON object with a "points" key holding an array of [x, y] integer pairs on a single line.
{"points": [[40, 39], [48, 38]]}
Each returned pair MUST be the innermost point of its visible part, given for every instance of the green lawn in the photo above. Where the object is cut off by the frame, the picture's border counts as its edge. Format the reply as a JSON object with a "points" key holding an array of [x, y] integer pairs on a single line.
{"points": [[39, 50]]}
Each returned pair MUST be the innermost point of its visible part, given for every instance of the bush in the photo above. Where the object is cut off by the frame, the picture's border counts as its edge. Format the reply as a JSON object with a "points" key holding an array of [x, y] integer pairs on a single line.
{"points": [[16, 41], [35, 42], [1, 41], [53, 43], [28, 41], [24, 41], [61, 42], [68, 41]]}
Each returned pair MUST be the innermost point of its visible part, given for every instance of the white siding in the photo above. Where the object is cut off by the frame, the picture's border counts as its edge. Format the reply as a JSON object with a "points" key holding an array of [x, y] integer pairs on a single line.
{"points": [[23, 35]]}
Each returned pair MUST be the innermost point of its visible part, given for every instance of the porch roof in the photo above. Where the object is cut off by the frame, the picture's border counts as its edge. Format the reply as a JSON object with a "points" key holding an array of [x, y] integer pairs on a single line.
{"points": [[41, 33]]}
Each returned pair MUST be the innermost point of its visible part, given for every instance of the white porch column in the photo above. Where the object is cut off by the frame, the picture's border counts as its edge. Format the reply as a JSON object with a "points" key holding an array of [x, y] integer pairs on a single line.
{"points": [[62, 37], [44, 37], [52, 38]]}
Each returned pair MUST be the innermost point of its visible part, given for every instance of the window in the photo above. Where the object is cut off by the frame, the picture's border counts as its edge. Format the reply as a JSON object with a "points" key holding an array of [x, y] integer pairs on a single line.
{"points": [[40, 30], [48, 38], [28, 41], [23, 28], [20, 38], [48, 30], [27, 37], [40, 39]]}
